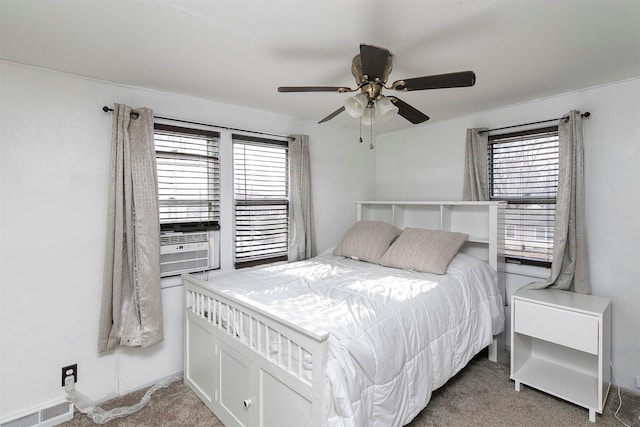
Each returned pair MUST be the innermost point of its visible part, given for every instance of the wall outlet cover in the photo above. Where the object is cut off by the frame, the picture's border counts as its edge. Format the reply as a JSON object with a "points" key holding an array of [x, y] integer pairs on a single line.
{"points": [[71, 370]]}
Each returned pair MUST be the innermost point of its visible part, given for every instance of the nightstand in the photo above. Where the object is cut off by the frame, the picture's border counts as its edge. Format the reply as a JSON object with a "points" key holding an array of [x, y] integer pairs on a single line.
{"points": [[561, 344]]}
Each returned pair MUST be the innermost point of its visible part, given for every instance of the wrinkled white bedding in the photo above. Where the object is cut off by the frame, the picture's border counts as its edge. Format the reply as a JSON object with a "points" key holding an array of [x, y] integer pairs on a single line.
{"points": [[395, 335]]}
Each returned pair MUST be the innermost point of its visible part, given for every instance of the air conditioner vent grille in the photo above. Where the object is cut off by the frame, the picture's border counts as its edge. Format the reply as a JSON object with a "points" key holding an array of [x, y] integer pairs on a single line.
{"points": [[182, 238], [187, 253], [184, 266]]}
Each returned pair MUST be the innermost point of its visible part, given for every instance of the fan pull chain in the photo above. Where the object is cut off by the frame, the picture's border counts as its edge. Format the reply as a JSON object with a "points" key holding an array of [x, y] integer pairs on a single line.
{"points": [[371, 131]]}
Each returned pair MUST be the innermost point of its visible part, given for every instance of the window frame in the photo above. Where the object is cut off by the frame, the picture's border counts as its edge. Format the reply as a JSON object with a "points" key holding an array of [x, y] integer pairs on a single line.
{"points": [[266, 202], [212, 180], [519, 232]]}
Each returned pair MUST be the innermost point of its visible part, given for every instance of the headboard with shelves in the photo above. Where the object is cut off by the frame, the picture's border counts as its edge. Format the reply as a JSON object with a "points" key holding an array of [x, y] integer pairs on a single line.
{"points": [[482, 221]]}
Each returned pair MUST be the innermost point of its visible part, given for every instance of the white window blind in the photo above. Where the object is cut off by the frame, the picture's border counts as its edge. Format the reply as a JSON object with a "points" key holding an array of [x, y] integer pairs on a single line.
{"points": [[188, 177], [261, 196], [523, 170]]}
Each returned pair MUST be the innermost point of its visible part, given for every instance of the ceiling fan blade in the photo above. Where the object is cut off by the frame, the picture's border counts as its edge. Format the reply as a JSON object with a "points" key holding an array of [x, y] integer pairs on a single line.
{"points": [[408, 112], [338, 89], [332, 115], [440, 81], [374, 61]]}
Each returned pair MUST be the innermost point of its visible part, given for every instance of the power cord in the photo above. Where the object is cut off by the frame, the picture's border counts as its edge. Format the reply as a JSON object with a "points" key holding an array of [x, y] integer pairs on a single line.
{"points": [[69, 382], [101, 416], [615, 378]]}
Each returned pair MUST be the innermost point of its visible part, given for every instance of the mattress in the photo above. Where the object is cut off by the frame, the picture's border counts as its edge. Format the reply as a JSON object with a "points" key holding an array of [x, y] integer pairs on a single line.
{"points": [[394, 335]]}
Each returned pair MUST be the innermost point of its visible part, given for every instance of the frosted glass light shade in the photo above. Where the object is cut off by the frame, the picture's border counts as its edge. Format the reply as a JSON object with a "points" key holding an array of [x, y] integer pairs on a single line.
{"points": [[355, 105], [368, 117], [385, 109]]}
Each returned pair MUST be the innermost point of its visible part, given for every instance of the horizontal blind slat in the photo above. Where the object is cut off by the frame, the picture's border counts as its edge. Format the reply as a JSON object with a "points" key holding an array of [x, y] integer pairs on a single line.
{"points": [[523, 170], [261, 201], [188, 167]]}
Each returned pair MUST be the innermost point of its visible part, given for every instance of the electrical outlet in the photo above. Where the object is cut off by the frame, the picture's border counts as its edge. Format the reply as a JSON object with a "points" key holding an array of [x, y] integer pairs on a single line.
{"points": [[638, 382], [70, 371]]}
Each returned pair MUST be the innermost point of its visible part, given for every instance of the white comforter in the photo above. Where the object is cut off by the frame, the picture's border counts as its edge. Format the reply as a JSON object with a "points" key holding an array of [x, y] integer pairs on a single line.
{"points": [[395, 335]]}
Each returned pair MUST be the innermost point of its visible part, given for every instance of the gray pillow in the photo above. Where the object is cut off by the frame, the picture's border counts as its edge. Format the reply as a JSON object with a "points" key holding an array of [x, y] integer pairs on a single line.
{"points": [[428, 251], [367, 240]]}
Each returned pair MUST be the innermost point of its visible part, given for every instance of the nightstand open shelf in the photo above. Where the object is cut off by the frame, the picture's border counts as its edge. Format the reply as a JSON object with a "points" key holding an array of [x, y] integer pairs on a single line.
{"points": [[559, 379], [560, 345]]}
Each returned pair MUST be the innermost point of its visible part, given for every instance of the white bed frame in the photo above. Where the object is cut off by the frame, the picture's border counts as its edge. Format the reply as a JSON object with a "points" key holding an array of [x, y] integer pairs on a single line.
{"points": [[246, 385]]}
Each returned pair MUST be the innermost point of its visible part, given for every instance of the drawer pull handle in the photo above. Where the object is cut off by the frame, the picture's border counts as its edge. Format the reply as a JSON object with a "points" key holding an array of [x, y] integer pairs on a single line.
{"points": [[246, 403]]}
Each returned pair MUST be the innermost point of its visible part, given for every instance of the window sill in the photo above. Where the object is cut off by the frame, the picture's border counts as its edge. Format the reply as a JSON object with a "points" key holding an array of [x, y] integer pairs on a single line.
{"points": [[527, 270], [174, 281], [170, 282]]}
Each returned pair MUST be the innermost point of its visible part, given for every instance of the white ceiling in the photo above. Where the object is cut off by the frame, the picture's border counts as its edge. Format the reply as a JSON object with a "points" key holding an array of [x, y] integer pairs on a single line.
{"points": [[239, 51]]}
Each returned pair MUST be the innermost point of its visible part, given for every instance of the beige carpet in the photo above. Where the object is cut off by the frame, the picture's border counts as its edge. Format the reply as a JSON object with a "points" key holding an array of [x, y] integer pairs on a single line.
{"points": [[480, 395]]}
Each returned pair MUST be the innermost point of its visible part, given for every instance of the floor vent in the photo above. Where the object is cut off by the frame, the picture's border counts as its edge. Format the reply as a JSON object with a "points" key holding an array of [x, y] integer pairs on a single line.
{"points": [[54, 411], [26, 421], [47, 417]]}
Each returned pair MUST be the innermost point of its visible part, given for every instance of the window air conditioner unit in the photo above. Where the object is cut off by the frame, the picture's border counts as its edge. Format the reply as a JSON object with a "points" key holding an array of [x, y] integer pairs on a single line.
{"points": [[188, 252]]}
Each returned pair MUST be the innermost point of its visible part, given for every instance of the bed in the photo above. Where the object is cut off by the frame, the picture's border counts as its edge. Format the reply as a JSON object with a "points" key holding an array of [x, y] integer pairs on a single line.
{"points": [[352, 336]]}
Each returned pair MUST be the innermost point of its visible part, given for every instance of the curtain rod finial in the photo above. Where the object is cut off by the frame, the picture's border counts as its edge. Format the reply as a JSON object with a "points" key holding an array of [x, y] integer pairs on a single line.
{"points": [[106, 109]]}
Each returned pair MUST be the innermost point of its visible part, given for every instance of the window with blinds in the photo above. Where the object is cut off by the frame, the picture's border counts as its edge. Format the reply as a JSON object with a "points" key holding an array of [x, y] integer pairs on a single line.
{"points": [[261, 196], [523, 170], [188, 178]]}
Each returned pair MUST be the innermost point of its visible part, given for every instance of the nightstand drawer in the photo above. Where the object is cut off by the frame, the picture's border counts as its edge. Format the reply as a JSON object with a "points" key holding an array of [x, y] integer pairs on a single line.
{"points": [[564, 327]]}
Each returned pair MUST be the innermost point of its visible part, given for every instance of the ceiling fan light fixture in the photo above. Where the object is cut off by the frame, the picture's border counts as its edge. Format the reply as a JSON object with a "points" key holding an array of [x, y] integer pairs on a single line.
{"points": [[371, 68], [385, 109], [368, 118], [355, 105]]}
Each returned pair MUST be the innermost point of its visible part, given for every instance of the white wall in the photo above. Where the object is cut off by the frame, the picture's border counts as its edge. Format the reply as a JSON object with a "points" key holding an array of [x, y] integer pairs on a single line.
{"points": [[426, 162], [54, 154], [53, 182]]}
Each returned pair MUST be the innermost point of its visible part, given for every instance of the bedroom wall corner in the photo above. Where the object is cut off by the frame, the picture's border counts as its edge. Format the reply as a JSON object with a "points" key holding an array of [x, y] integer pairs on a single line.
{"points": [[425, 162], [55, 143]]}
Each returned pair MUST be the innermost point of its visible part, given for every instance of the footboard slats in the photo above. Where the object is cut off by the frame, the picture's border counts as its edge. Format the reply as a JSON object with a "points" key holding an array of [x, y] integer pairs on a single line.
{"points": [[299, 359], [267, 358], [288, 349]]}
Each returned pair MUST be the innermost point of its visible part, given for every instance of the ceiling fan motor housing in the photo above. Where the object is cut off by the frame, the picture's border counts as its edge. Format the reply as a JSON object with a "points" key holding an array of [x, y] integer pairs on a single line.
{"points": [[370, 85], [371, 69]]}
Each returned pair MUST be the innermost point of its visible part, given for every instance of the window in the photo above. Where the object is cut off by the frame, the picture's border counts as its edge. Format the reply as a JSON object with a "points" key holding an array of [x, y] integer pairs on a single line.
{"points": [[188, 178], [523, 170], [261, 193]]}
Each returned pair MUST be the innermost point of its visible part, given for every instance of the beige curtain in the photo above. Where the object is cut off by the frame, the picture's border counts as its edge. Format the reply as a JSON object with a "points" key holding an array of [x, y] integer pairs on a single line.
{"points": [[570, 266], [131, 313], [476, 181], [301, 229]]}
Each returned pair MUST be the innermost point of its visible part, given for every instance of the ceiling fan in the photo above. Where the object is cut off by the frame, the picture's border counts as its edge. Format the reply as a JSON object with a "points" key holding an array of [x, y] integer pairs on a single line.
{"points": [[371, 69]]}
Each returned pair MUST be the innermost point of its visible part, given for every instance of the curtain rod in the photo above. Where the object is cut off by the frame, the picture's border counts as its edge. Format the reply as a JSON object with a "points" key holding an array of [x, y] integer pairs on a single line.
{"points": [[586, 114], [135, 116]]}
